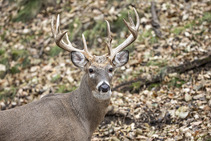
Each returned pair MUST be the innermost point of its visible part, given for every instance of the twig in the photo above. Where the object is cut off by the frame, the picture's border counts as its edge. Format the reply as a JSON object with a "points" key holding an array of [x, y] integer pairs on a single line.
{"points": [[43, 45], [198, 41]]}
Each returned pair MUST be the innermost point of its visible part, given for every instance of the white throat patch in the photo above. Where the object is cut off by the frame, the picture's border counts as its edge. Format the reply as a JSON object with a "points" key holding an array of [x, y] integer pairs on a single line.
{"points": [[102, 95]]}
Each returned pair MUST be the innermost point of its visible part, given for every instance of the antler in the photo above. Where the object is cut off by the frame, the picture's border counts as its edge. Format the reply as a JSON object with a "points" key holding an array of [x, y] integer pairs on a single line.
{"points": [[134, 33], [58, 37], [109, 38]]}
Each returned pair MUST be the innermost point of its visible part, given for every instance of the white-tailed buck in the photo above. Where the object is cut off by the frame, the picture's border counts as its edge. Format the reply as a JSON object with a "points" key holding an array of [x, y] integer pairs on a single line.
{"points": [[72, 116]]}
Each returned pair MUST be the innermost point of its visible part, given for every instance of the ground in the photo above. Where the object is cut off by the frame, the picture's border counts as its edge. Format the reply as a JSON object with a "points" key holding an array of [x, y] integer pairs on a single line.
{"points": [[178, 107]]}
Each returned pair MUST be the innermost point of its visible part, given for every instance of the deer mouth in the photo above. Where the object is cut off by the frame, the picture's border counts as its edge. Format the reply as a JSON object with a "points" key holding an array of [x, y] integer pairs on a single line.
{"points": [[102, 95]]}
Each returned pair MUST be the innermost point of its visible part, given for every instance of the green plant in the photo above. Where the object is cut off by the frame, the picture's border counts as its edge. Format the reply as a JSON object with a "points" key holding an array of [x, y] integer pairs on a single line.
{"points": [[15, 69], [29, 10], [8, 94], [56, 78], [153, 40], [176, 82], [98, 30], [22, 60], [178, 30], [64, 89], [160, 63], [153, 85], [118, 25], [16, 54], [136, 86], [206, 17], [147, 34], [2, 51], [4, 60], [3, 36], [75, 28], [54, 51]]}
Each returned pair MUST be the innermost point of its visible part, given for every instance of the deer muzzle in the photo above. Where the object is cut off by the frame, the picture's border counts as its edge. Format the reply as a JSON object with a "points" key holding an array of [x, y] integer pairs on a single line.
{"points": [[104, 87]]}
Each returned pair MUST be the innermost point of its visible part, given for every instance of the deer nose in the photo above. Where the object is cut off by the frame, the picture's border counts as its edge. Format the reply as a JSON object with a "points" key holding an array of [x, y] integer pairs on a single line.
{"points": [[104, 87]]}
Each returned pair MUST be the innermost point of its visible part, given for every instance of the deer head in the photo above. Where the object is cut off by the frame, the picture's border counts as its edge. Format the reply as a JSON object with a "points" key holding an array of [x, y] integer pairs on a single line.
{"points": [[98, 69]]}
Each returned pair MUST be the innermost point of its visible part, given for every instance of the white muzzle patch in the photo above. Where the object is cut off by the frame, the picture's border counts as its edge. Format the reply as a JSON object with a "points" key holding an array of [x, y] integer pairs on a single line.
{"points": [[102, 95]]}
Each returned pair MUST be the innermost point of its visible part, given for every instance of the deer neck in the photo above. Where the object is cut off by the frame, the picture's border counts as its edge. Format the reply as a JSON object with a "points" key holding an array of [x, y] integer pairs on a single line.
{"points": [[90, 110]]}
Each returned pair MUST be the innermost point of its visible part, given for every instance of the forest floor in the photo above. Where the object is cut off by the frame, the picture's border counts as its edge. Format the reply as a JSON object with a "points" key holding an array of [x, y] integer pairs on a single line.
{"points": [[175, 107]]}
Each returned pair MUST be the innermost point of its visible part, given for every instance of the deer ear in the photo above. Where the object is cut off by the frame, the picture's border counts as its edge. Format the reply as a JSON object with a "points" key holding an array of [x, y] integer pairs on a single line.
{"points": [[121, 58], [78, 59]]}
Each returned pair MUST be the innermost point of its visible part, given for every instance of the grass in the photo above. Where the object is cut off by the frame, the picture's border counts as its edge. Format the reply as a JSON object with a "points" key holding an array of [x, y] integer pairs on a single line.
{"points": [[118, 25], [8, 94], [75, 28], [4, 60], [178, 30], [98, 30], [22, 60], [147, 34], [136, 86], [19, 66], [176, 82], [28, 38], [160, 63], [54, 51], [3, 36], [29, 10], [56, 78], [153, 85], [65, 89], [2, 51], [16, 54], [15, 69], [191, 24], [206, 17]]}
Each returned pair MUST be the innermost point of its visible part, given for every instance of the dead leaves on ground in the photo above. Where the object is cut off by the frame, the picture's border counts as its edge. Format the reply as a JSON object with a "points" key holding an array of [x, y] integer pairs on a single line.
{"points": [[177, 109]]}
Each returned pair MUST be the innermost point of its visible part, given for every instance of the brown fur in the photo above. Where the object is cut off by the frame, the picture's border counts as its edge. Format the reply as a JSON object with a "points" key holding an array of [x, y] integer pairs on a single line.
{"points": [[62, 117], [56, 117], [100, 61], [73, 116]]}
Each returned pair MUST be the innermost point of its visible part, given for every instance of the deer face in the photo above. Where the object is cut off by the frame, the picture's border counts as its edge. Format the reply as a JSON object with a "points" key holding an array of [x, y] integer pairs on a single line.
{"points": [[99, 71]]}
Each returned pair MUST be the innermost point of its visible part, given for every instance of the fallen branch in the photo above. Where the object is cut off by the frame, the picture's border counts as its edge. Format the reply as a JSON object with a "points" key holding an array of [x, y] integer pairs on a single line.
{"points": [[115, 114], [164, 72], [154, 117]]}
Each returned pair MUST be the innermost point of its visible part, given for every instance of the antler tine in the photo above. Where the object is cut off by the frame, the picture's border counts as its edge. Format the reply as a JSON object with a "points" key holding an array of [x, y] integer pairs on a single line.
{"points": [[132, 37], [58, 37], [137, 19], [58, 24], [130, 19], [86, 52], [109, 38]]}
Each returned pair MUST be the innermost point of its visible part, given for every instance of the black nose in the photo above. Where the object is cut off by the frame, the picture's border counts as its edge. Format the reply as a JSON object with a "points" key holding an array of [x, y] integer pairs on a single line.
{"points": [[104, 87]]}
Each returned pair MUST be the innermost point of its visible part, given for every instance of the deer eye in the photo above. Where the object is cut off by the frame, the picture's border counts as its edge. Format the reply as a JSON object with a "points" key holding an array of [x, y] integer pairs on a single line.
{"points": [[91, 70], [110, 69]]}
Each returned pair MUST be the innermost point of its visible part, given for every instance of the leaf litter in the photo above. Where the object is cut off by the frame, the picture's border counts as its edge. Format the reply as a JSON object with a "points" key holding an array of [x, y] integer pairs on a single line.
{"points": [[178, 108]]}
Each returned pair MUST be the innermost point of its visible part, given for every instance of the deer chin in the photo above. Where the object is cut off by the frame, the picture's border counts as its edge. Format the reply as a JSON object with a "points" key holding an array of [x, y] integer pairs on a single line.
{"points": [[101, 95]]}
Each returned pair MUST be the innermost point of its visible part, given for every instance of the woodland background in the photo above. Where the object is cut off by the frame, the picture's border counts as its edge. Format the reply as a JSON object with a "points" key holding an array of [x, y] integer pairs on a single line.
{"points": [[163, 93]]}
